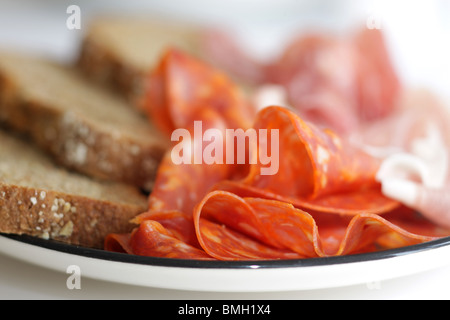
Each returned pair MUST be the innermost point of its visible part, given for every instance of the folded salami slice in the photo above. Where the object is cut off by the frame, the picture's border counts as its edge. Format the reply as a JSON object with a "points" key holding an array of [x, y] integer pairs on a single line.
{"points": [[152, 239], [229, 227], [317, 169], [221, 216], [348, 203], [183, 89]]}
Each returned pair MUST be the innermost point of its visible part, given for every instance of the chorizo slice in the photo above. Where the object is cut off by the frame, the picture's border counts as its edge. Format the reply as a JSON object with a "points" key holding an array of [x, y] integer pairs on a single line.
{"points": [[152, 239], [318, 170], [181, 88], [230, 227]]}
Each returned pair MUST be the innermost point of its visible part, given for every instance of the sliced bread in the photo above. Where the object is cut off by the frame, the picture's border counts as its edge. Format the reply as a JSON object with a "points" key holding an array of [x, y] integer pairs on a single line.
{"points": [[84, 127], [41, 199], [120, 51]]}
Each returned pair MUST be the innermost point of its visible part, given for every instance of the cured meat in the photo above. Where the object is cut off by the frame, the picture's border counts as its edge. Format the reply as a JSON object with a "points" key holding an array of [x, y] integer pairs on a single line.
{"points": [[313, 162], [279, 225], [323, 200], [222, 51], [318, 170], [378, 86], [318, 74], [415, 168], [340, 83], [184, 89], [233, 228], [349, 203]]}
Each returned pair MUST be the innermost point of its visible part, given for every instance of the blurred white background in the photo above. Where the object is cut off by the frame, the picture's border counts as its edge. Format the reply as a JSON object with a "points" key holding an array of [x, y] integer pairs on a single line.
{"points": [[418, 31]]}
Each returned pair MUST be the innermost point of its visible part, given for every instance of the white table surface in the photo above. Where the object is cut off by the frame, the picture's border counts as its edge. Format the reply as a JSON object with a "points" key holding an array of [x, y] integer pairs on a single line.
{"points": [[21, 280]]}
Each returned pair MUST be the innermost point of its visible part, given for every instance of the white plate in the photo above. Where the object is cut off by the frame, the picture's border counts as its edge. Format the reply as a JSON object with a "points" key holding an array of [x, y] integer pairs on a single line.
{"points": [[217, 276]]}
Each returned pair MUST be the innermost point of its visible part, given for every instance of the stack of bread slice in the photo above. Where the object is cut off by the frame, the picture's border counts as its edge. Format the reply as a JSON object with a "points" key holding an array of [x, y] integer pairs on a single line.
{"points": [[77, 159]]}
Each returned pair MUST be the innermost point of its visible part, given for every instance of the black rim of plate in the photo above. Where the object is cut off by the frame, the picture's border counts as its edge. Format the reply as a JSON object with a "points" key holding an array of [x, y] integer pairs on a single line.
{"points": [[253, 264]]}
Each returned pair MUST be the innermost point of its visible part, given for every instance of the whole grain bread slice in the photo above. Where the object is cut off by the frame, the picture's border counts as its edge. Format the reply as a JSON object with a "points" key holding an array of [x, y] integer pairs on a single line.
{"points": [[41, 199], [119, 51], [83, 126]]}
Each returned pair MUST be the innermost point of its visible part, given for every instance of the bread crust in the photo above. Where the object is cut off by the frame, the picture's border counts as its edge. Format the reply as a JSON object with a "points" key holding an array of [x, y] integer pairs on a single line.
{"points": [[71, 219], [40, 198]]}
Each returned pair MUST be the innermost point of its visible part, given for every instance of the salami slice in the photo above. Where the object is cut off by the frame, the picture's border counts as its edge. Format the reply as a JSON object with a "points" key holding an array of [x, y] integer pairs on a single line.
{"points": [[378, 86], [318, 170], [179, 224], [152, 239], [318, 73], [227, 227], [347, 203], [219, 48], [179, 187], [183, 89], [116, 242], [337, 82]]}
